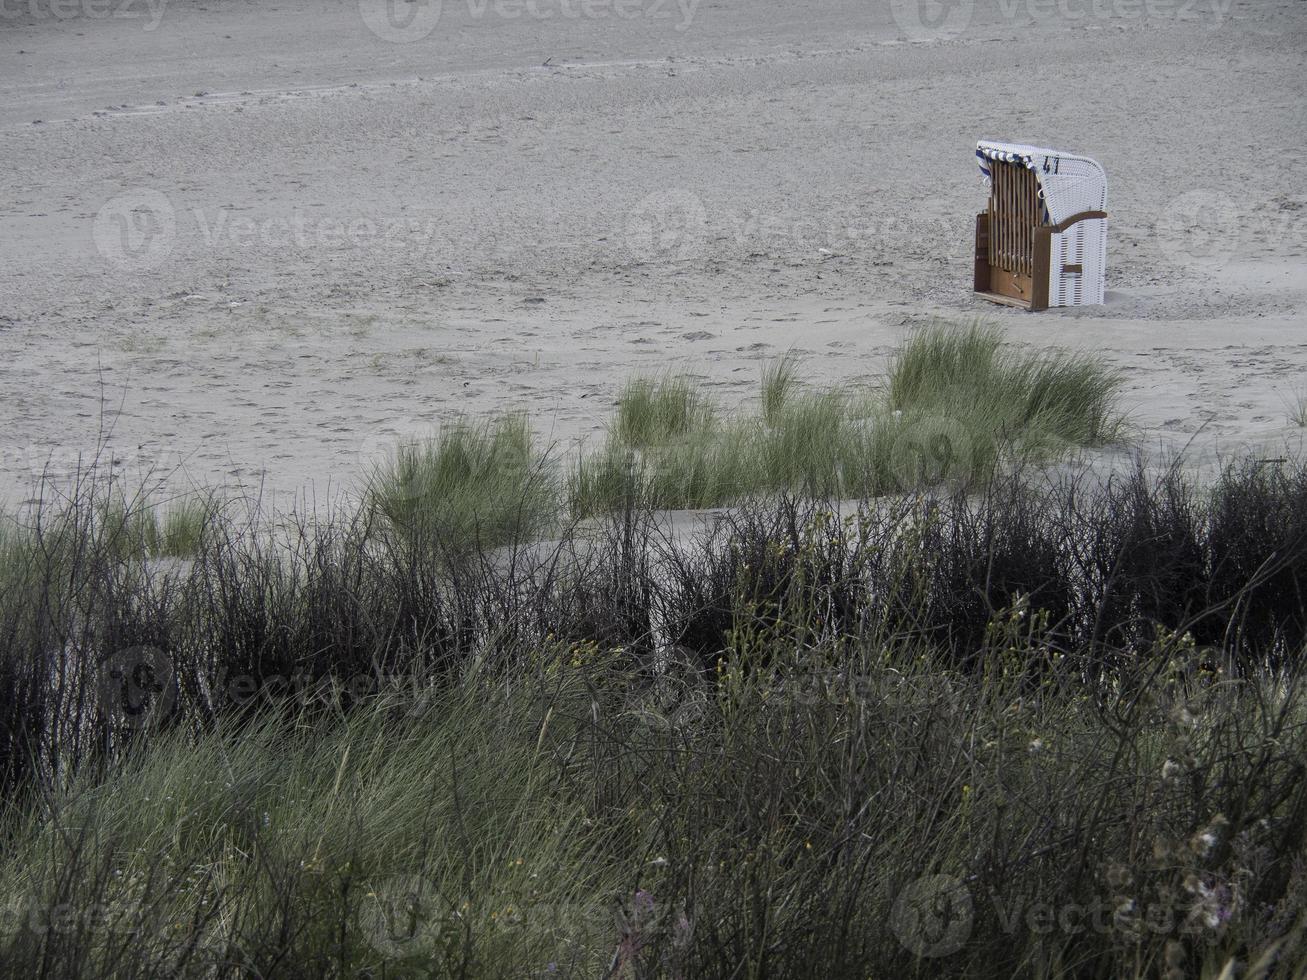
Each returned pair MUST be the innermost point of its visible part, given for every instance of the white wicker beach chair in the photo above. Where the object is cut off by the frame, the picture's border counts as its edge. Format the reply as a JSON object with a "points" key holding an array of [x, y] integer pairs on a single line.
{"points": [[1043, 239]]}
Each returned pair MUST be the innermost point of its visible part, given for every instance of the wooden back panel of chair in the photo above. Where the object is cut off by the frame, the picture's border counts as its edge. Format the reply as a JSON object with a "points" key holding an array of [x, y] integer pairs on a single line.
{"points": [[1013, 216]]}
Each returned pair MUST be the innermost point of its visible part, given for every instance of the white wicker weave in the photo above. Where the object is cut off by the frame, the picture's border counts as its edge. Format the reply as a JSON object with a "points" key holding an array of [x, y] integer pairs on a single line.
{"points": [[1068, 185]]}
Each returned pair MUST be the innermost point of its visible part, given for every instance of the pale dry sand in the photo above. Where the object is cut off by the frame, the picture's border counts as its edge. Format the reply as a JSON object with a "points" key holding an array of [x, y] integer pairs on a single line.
{"points": [[250, 244]]}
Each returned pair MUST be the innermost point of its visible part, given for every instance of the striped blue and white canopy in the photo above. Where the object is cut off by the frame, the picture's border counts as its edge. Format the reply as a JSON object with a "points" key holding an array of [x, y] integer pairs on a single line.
{"points": [[1068, 184]]}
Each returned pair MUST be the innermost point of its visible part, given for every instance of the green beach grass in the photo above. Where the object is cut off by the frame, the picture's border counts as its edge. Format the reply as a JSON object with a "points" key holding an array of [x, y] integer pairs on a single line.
{"points": [[472, 483], [956, 402]]}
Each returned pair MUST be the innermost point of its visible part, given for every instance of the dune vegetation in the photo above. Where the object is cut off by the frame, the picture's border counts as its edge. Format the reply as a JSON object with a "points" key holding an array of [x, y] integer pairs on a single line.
{"points": [[956, 404], [1023, 724], [1298, 410], [471, 484]]}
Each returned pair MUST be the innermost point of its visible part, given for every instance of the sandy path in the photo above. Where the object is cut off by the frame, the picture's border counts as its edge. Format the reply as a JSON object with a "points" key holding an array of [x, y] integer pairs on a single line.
{"points": [[347, 238]]}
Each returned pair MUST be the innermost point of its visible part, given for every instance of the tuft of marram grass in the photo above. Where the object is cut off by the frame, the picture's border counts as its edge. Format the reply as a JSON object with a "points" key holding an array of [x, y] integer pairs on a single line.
{"points": [[610, 479], [779, 379], [656, 411], [128, 528], [1036, 402], [1298, 410], [472, 483], [807, 443], [666, 447], [701, 470], [183, 525]]}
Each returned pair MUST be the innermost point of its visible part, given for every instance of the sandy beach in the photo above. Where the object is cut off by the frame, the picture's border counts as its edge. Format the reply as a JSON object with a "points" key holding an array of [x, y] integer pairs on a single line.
{"points": [[249, 245]]}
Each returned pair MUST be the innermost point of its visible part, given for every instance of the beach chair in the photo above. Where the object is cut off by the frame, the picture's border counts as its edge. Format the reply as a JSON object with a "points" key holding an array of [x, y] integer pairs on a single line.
{"points": [[1043, 239]]}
